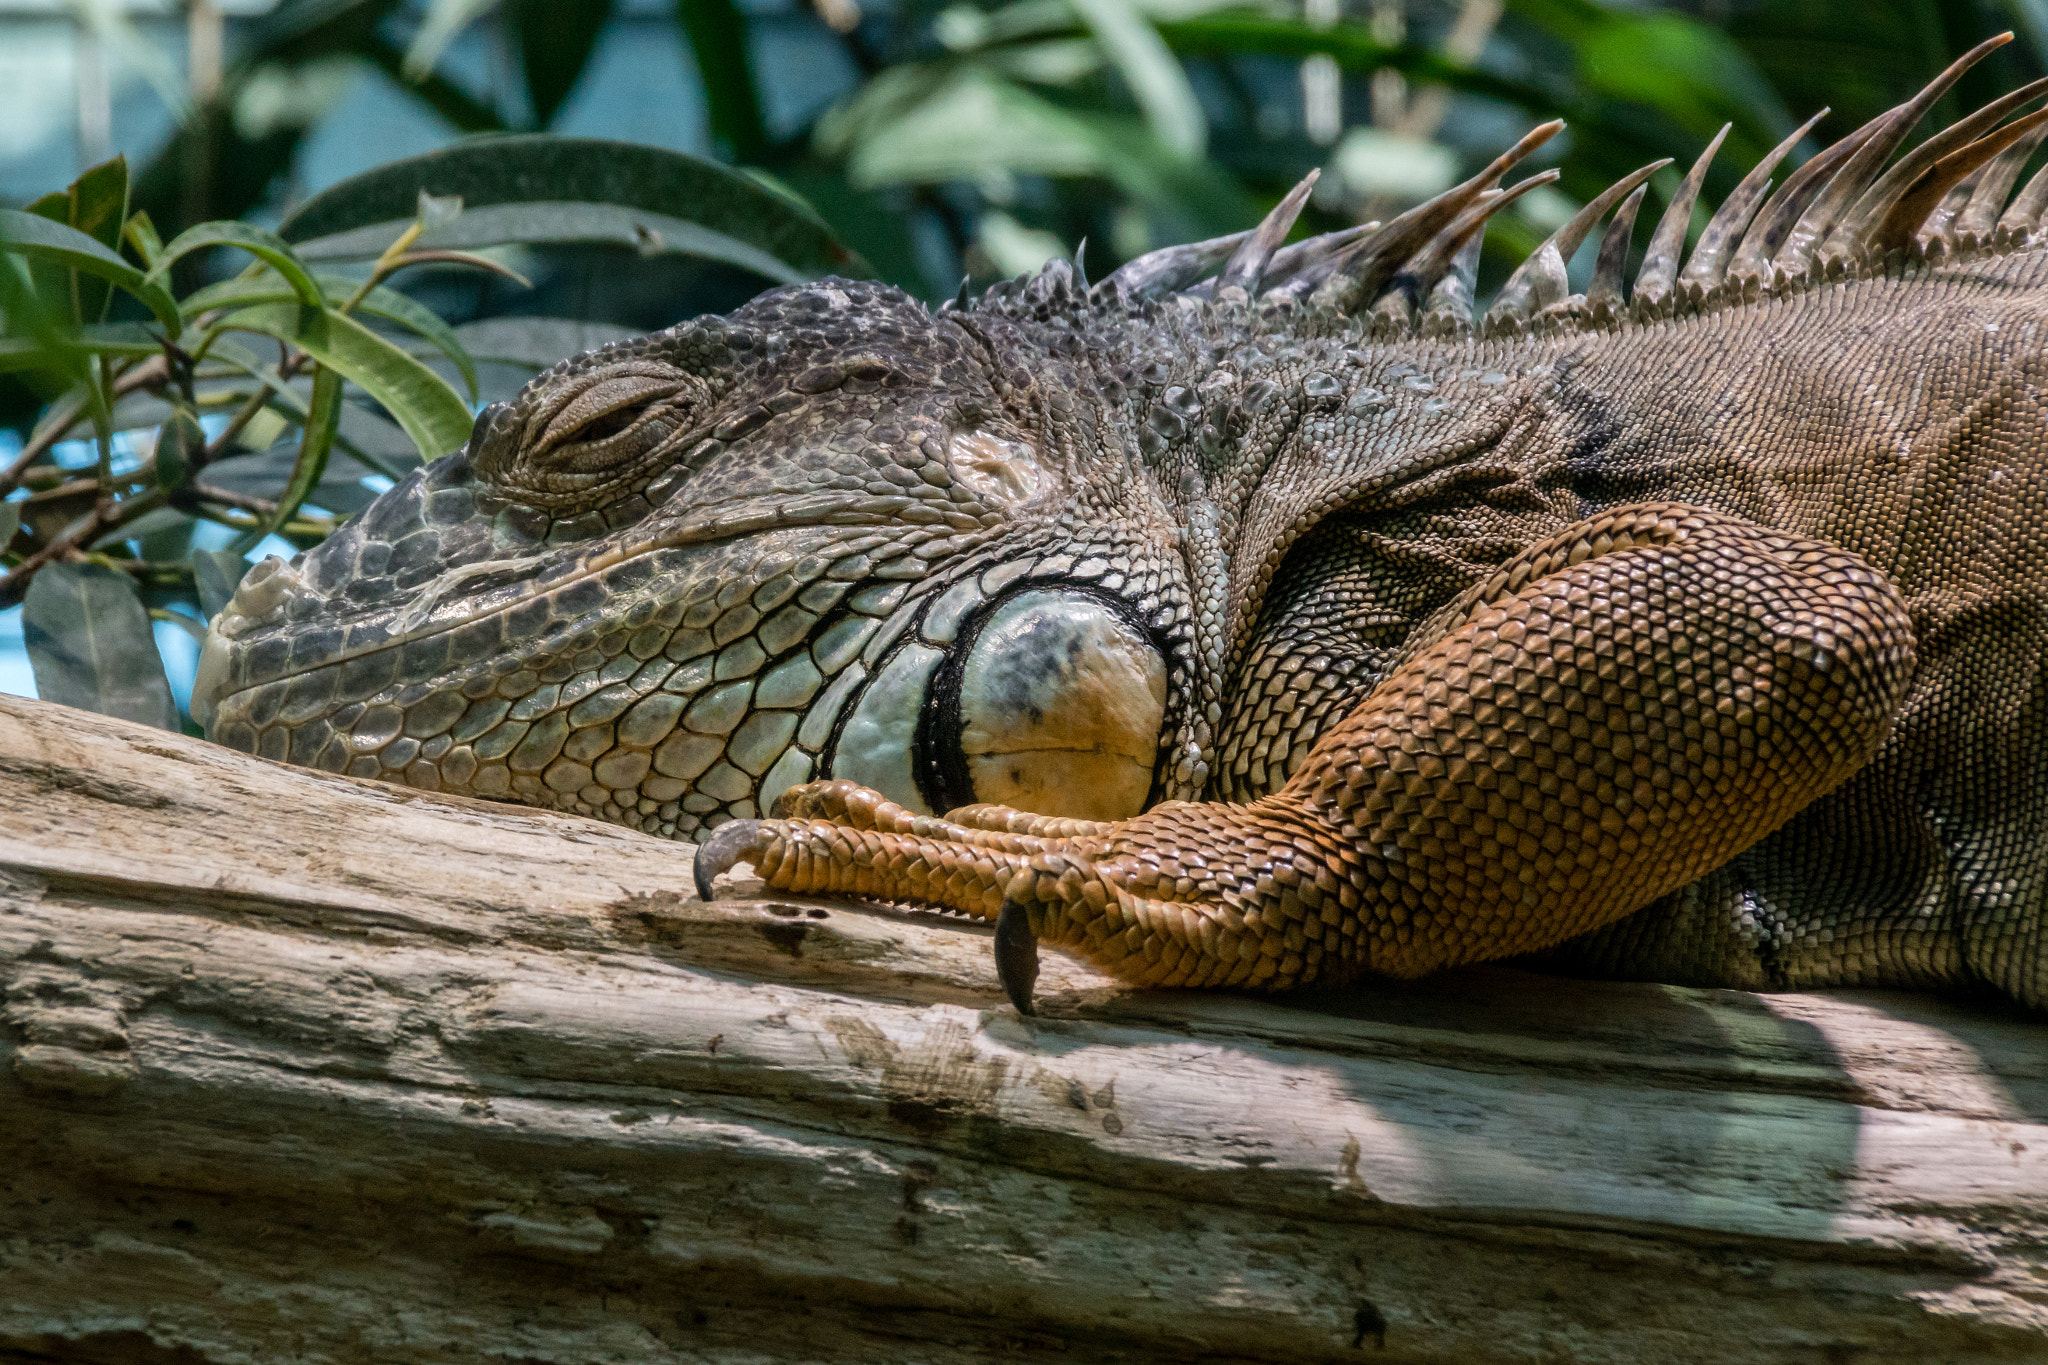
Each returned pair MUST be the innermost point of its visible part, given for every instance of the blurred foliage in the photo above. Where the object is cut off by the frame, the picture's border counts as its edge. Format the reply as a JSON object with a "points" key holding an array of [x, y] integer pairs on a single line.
{"points": [[257, 383], [981, 137]]}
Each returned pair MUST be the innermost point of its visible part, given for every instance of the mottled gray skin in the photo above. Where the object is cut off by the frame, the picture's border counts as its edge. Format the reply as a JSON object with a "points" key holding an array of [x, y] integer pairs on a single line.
{"points": [[641, 592]]}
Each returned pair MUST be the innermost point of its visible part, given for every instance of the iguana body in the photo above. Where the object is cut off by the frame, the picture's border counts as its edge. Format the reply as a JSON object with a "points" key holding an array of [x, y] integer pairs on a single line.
{"points": [[1698, 636]]}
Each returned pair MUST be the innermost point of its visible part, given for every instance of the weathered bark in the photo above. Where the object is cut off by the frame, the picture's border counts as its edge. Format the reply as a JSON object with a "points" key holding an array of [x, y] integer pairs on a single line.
{"points": [[303, 1068]]}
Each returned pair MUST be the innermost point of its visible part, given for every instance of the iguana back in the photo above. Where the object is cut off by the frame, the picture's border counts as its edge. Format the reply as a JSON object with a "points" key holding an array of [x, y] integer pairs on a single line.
{"points": [[1900, 417]]}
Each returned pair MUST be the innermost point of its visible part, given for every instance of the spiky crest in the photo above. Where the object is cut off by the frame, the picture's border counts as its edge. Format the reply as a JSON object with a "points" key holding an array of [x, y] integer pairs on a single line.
{"points": [[1841, 215]]}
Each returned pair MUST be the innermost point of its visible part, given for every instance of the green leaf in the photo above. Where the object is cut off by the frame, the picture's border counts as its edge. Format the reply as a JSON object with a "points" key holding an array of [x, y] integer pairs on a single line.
{"points": [[99, 206], [180, 445], [316, 442], [216, 573], [416, 317], [52, 282], [717, 32], [1154, 76], [38, 239], [1692, 72], [1195, 198], [535, 343], [1248, 32], [540, 188], [10, 522], [367, 436], [556, 38], [141, 234], [91, 646], [650, 234], [104, 338], [970, 123], [432, 414], [155, 525], [40, 345], [381, 302], [265, 246]]}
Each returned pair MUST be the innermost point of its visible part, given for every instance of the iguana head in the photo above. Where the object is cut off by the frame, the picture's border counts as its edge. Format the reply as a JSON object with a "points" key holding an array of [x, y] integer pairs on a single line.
{"points": [[983, 553], [832, 534]]}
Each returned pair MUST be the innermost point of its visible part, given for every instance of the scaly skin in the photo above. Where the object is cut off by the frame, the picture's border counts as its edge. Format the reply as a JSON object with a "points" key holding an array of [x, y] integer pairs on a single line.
{"points": [[1696, 641], [1550, 756]]}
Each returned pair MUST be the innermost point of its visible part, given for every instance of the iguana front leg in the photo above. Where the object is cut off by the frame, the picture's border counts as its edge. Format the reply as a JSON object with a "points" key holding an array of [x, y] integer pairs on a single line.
{"points": [[1617, 711]]}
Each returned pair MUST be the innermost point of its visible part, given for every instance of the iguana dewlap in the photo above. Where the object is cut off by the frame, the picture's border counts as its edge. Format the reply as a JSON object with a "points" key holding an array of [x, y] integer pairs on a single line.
{"points": [[1693, 633]]}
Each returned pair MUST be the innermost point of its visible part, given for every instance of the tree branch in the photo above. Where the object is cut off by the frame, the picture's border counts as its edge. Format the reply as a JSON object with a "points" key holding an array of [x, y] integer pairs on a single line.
{"points": [[296, 1066]]}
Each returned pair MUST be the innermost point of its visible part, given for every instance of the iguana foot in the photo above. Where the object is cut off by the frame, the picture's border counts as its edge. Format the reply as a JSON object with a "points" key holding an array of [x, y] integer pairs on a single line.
{"points": [[1618, 710], [1143, 918], [1016, 955]]}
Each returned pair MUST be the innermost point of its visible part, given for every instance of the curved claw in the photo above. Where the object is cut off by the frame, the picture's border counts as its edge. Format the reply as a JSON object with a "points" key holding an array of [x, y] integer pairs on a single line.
{"points": [[737, 841], [1016, 954]]}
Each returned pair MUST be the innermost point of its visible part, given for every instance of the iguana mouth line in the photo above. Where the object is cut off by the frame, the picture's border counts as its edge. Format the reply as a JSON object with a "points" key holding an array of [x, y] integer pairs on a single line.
{"points": [[697, 535]]}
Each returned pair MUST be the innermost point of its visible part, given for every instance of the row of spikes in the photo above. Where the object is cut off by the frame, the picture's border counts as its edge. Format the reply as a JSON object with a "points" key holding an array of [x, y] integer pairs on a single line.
{"points": [[1840, 214]]}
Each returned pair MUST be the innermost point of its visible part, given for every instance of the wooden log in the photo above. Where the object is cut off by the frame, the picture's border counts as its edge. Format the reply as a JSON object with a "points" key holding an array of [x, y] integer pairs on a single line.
{"points": [[304, 1068]]}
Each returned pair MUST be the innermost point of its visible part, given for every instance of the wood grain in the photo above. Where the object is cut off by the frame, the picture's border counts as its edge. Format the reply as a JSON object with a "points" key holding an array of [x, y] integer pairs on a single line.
{"points": [[305, 1068]]}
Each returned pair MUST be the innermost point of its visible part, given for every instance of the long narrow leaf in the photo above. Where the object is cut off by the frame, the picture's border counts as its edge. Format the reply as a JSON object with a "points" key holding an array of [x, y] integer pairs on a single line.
{"points": [[551, 223], [432, 414], [560, 173], [381, 302], [105, 338], [37, 238], [99, 205], [141, 234], [556, 38], [1249, 32], [51, 280], [717, 33], [423, 321], [271, 249], [286, 400], [1154, 76], [316, 442], [90, 644]]}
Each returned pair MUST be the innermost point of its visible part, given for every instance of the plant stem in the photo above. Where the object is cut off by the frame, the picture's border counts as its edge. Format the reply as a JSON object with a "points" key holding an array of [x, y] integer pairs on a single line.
{"points": [[246, 414], [142, 374], [105, 517]]}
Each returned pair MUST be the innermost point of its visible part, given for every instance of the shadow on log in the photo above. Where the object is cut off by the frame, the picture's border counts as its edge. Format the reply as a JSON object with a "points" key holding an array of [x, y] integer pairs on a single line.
{"points": [[304, 1068]]}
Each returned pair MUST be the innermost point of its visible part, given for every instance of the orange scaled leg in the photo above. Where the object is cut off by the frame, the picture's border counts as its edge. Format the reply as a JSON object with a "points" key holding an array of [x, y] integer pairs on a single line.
{"points": [[1617, 711]]}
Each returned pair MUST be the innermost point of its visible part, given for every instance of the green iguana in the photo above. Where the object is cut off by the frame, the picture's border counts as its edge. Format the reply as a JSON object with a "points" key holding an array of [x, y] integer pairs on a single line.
{"points": [[1324, 631]]}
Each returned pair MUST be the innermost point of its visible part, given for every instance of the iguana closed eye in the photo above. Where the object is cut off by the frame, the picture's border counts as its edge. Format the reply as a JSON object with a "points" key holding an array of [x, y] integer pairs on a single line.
{"points": [[1691, 630]]}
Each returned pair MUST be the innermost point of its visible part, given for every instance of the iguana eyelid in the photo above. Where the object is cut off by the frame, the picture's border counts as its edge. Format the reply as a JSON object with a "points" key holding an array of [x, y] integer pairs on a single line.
{"points": [[602, 399]]}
